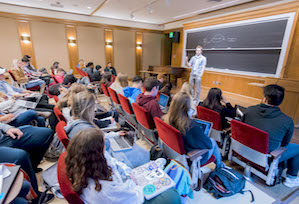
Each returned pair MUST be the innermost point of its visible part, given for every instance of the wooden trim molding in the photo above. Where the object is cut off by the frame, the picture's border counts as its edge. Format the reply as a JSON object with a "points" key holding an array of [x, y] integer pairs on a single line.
{"points": [[109, 49], [99, 7], [72, 46], [26, 46], [139, 51]]}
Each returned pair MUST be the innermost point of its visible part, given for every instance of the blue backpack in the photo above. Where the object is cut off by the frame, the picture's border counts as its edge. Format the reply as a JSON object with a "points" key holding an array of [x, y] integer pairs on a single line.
{"points": [[224, 182]]}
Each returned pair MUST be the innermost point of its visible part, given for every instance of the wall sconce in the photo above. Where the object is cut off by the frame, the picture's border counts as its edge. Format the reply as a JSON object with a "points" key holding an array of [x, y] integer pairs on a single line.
{"points": [[108, 44], [139, 45], [25, 38], [72, 41]]}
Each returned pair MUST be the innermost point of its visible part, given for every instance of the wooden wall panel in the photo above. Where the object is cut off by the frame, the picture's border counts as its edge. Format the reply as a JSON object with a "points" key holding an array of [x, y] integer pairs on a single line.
{"points": [[91, 44], [26, 48], [109, 50], [177, 52], [50, 44], [139, 52], [71, 33], [125, 52], [151, 49]]}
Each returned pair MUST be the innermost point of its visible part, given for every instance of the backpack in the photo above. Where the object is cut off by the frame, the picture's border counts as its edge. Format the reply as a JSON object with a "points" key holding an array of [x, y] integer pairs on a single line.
{"points": [[225, 182], [55, 149]]}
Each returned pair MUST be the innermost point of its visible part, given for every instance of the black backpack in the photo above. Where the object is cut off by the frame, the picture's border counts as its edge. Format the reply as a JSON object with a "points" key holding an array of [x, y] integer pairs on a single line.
{"points": [[224, 182]]}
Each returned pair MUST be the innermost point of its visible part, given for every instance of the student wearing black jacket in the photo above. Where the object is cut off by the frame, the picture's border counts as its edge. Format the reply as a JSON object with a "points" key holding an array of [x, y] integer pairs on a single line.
{"points": [[215, 101], [268, 117], [178, 116]]}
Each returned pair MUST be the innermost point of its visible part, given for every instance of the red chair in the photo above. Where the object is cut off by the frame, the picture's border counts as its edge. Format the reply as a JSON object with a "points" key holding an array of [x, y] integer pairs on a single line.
{"points": [[116, 103], [158, 95], [105, 91], [146, 124], [54, 79], [113, 78], [64, 183], [61, 134], [56, 98], [173, 147], [59, 115], [217, 131], [128, 110], [249, 148]]}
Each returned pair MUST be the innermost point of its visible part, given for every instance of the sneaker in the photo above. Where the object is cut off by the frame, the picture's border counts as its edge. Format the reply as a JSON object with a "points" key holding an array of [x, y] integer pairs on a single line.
{"points": [[291, 182]]}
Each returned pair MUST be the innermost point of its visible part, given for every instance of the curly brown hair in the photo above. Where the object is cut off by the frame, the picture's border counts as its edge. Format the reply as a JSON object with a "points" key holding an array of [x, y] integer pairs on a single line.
{"points": [[85, 159]]}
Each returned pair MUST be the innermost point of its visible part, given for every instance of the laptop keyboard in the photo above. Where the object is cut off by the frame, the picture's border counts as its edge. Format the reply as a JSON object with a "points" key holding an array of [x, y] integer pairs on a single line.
{"points": [[121, 142]]}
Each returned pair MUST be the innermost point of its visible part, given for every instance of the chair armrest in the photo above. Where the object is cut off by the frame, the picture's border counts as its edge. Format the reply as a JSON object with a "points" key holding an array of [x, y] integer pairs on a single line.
{"points": [[278, 152], [226, 130], [194, 154]]}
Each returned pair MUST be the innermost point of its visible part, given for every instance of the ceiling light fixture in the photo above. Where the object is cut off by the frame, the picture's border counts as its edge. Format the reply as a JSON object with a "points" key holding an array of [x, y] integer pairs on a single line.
{"points": [[88, 7], [133, 17], [150, 8]]}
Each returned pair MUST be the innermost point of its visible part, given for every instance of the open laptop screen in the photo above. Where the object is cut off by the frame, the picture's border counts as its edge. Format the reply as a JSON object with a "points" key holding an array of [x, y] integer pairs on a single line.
{"points": [[163, 100], [207, 126]]}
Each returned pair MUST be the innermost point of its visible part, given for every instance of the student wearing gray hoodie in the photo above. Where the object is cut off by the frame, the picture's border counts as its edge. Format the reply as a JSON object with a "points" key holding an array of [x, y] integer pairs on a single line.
{"points": [[83, 105]]}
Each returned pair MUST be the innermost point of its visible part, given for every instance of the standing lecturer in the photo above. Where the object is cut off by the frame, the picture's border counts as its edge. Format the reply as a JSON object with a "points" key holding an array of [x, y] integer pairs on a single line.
{"points": [[198, 64]]}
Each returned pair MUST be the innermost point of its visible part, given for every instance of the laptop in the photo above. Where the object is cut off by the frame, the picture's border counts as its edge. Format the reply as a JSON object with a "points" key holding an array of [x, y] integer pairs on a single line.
{"points": [[152, 179], [71, 71], [7, 183], [26, 104], [207, 126], [240, 111], [163, 101], [120, 143]]}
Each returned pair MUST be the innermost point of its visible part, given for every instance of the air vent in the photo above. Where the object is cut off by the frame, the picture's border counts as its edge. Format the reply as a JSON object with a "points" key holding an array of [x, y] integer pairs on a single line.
{"points": [[57, 5]]}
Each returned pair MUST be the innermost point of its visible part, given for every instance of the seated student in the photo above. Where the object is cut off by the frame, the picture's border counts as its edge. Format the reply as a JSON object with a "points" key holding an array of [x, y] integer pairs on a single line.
{"points": [[178, 116], [94, 75], [187, 88], [82, 110], [161, 79], [81, 64], [110, 69], [95, 175], [268, 117], [32, 74], [34, 140], [106, 79], [18, 73], [120, 83], [59, 76], [166, 90], [213, 102], [147, 100], [20, 157], [132, 92], [54, 67]]}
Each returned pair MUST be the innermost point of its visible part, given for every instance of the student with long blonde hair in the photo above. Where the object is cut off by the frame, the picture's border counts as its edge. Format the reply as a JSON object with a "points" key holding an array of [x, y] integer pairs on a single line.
{"points": [[193, 134], [120, 83], [82, 110]]}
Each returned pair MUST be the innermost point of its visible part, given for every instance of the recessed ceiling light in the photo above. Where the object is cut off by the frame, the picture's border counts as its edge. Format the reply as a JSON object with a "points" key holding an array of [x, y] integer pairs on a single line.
{"points": [[88, 7], [133, 17]]}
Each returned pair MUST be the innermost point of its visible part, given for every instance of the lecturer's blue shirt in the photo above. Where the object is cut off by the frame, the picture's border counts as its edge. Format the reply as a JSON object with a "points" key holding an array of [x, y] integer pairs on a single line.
{"points": [[197, 64]]}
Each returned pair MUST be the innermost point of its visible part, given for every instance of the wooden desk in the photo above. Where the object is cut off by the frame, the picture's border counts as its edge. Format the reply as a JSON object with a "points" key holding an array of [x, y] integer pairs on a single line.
{"points": [[154, 72]]}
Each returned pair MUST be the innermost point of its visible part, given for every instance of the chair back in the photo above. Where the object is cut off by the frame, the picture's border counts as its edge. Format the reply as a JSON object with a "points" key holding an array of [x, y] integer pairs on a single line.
{"points": [[113, 78], [61, 134], [158, 95], [12, 76], [125, 104], [209, 115], [56, 98], [105, 89], [171, 136], [64, 183], [113, 95], [143, 116], [54, 79], [59, 115], [250, 143]]}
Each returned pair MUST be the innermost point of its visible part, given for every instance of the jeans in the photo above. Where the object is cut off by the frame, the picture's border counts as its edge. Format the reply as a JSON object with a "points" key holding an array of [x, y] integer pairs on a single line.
{"points": [[20, 199], [33, 84], [216, 152], [35, 141], [26, 117], [195, 80], [291, 155], [19, 157]]}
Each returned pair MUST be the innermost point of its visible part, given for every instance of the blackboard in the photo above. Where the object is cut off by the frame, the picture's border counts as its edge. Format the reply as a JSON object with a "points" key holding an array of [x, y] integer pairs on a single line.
{"points": [[252, 47], [259, 35]]}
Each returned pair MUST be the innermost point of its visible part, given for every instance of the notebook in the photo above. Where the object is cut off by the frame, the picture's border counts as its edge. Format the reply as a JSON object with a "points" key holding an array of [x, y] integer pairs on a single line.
{"points": [[152, 179], [207, 126], [26, 104], [163, 100]]}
